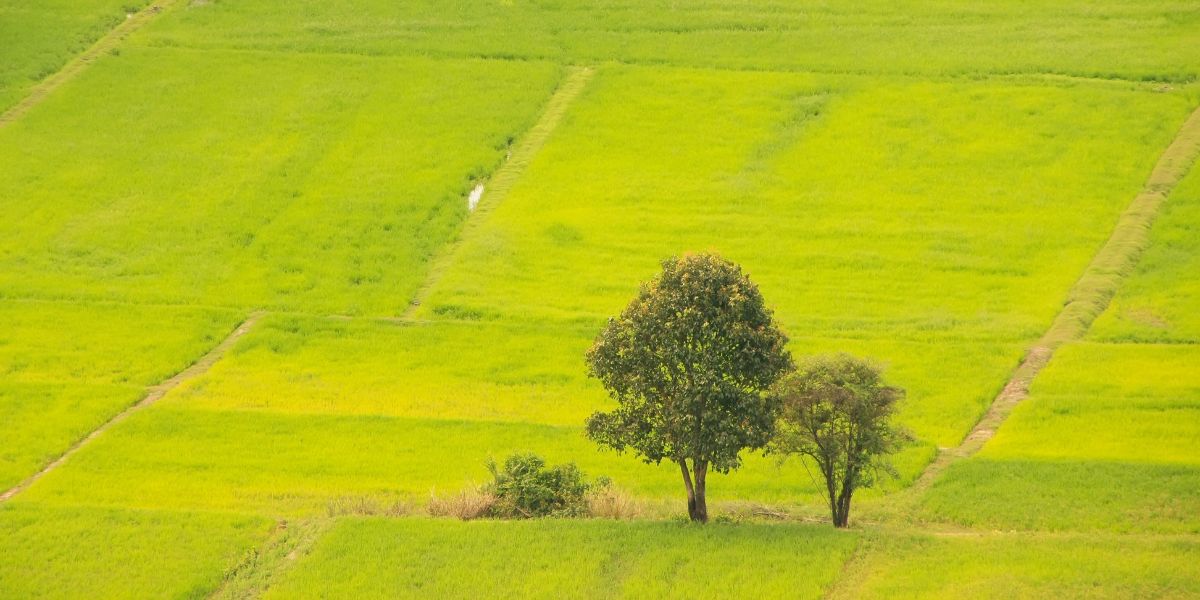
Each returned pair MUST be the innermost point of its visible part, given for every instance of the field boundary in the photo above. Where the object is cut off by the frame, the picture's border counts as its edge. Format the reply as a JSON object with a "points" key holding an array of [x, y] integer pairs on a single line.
{"points": [[153, 394], [497, 187], [75, 66], [262, 566], [1088, 297]]}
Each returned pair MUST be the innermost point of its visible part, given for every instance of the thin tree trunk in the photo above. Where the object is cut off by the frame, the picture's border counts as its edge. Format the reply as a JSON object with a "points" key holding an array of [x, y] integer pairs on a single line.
{"points": [[842, 518], [701, 469], [831, 488], [691, 491]]}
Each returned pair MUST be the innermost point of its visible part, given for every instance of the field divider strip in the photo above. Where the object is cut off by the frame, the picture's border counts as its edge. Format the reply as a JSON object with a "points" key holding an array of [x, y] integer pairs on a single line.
{"points": [[265, 564], [75, 66], [1090, 295], [153, 394], [498, 186]]}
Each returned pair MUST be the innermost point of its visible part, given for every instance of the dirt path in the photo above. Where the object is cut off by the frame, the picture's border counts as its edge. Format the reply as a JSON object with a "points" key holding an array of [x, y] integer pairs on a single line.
{"points": [[502, 181], [261, 568], [153, 394], [1088, 297], [76, 65]]}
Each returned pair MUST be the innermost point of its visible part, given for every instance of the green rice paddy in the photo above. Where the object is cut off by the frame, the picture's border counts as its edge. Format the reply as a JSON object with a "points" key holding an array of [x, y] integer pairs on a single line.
{"points": [[918, 182]]}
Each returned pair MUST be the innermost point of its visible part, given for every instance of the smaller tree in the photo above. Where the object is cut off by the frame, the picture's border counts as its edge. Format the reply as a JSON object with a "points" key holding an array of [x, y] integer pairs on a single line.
{"points": [[836, 411]]}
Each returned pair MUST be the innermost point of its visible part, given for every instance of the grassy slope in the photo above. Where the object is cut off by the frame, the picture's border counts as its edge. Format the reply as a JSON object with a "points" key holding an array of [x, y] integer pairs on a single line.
{"points": [[67, 368], [41, 37], [94, 553], [1156, 39], [1160, 302], [558, 254], [326, 187], [565, 559], [1026, 566], [772, 127], [1108, 438]]}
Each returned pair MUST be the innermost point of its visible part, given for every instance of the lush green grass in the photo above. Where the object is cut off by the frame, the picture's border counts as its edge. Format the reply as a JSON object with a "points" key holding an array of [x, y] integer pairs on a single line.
{"points": [[325, 187], [447, 370], [1106, 441], [1108, 438], [1160, 302], [312, 160], [44, 342], [1027, 566], [42, 420], [67, 368], [529, 372], [171, 457], [1087, 495], [40, 37], [374, 558], [1155, 39], [960, 209], [943, 294], [97, 553], [1133, 403]]}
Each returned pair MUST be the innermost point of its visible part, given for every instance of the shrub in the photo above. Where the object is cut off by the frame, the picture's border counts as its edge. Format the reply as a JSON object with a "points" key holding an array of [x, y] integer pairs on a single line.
{"points": [[525, 488]]}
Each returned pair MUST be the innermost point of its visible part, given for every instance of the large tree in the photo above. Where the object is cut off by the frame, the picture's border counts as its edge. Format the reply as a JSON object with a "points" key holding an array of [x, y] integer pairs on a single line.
{"points": [[688, 362], [837, 411]]}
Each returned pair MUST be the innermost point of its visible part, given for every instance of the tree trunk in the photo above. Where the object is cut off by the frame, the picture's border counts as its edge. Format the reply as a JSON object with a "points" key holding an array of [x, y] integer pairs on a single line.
{"points": [[830, 489], [841, 517], [697, 508], [701, 469], [691, 491]]}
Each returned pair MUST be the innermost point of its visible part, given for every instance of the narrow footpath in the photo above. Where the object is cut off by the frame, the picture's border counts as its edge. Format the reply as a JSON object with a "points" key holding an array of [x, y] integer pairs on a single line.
{"points": [[153, 394], [72, 69], [498, 186], [1090, 295]]}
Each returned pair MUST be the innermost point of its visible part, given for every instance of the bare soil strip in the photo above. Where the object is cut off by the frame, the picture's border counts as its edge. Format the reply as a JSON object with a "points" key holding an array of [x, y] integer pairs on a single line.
{"points": [[153, 395], [260, 568], [1088, 297], [103, 46], [506, 176]]}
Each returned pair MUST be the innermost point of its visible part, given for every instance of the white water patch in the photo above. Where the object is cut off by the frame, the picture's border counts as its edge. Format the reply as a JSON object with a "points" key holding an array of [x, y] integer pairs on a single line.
{"points": [[473, 199]]}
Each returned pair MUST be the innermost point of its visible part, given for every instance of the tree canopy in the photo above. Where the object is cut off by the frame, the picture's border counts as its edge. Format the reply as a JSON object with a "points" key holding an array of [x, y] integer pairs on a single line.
{"points": [[836, 410], [688, 362]]}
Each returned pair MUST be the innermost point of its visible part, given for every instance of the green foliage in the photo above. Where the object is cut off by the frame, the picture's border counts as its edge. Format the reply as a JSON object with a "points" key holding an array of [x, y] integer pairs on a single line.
{"points": [[525, 488], [571, 559], [687, 362], [836, 411]]}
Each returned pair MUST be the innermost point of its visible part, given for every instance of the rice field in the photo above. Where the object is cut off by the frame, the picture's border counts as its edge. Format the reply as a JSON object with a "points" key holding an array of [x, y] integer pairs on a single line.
{"points": [[563, 559], [40, 38], [919, 182], [1109, 435]]}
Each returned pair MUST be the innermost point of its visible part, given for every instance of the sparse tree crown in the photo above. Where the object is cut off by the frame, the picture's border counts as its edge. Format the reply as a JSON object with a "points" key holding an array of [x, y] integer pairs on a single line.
{"points": [[836, 411]]}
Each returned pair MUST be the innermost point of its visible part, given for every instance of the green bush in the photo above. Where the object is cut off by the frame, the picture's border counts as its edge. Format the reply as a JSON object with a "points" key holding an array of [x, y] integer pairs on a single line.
{"points": [[525, 488]]}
